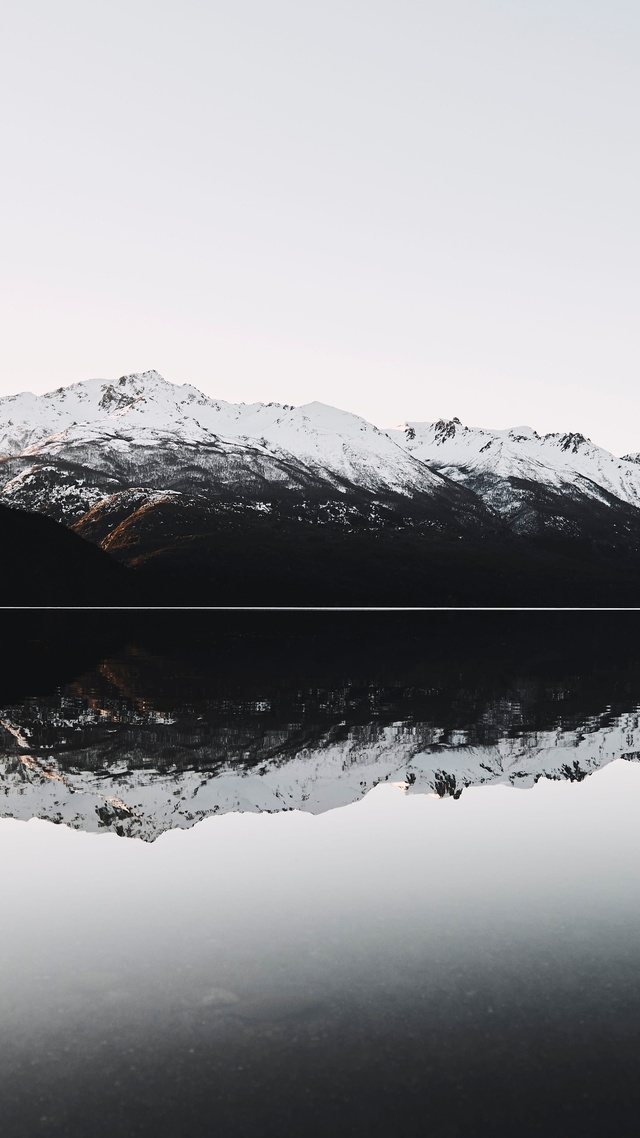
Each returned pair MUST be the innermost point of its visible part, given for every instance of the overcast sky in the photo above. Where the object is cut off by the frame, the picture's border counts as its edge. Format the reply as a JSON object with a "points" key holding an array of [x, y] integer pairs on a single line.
{"points": [[407, 208]]}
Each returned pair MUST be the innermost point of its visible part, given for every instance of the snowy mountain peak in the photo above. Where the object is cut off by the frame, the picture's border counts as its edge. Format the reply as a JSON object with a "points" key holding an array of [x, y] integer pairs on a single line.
{"points": [[573, 441], [564, 461], [521, 434], [442, 430], [142, 377], [87, 421], [129, 387], [447, 429]]}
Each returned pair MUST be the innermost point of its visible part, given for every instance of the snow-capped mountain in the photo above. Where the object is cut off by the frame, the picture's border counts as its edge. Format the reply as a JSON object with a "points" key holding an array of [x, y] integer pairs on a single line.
{"points": [[118, 428], [165, 477], [486, 459]]}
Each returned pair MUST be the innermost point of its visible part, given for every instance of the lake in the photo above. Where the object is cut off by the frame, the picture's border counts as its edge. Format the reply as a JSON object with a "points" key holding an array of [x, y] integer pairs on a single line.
{"points": [[325, 874]]}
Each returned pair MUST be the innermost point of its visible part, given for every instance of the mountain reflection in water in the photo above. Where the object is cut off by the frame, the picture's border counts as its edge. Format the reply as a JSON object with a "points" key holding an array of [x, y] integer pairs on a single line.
{"points": [[142, 741], [417, 962]]}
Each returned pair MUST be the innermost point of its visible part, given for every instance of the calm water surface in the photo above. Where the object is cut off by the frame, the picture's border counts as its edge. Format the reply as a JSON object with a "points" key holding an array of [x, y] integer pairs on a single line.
{"points": [[408, 904]]}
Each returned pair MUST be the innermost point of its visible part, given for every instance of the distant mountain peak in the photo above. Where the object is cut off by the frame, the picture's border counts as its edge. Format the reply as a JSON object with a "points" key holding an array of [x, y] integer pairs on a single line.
{"points": [[134, 376], [447, 429], [571, 441], [520, 434]]}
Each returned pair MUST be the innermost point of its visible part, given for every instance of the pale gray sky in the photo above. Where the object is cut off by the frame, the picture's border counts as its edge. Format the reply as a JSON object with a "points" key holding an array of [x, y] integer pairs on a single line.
{"points": [[407, 209]]}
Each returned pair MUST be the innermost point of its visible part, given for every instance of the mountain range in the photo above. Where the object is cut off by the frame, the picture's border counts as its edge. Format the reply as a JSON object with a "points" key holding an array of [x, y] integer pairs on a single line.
{"points": [[219, 503]]}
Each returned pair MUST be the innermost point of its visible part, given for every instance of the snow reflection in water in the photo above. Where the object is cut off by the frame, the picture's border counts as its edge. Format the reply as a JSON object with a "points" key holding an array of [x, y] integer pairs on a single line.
{"points": [[297, 974], [137, 748]]}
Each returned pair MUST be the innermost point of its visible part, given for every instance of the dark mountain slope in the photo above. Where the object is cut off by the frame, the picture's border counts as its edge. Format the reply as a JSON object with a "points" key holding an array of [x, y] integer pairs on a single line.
{"points": [[43, 563], [187, 554]]}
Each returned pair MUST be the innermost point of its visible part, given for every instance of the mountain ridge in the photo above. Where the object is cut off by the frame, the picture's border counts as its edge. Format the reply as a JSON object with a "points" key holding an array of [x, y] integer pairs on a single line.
{"points": [[564, 459], [161, 474], [145, 408]]}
